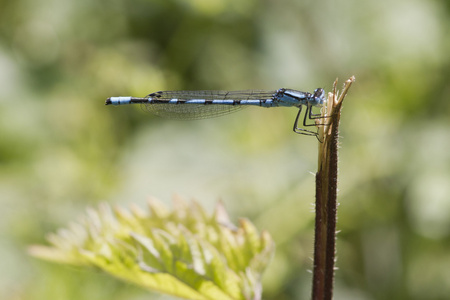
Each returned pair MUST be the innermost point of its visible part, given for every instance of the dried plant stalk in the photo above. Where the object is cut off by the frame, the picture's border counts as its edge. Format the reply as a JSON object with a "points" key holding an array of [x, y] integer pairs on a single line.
{"points": [[326, 196]]}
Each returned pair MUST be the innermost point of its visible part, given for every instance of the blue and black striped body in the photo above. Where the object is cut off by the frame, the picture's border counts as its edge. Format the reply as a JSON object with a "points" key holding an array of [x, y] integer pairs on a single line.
{"points": [[205, 104]]}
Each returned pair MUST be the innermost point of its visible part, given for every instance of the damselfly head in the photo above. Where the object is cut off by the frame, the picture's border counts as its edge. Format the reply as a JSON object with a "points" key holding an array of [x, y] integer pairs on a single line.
{"points": [[319, 96]]}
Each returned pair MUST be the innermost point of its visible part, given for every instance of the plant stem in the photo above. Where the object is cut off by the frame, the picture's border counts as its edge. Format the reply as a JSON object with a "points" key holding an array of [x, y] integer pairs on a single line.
{"points": [[326, 197]]}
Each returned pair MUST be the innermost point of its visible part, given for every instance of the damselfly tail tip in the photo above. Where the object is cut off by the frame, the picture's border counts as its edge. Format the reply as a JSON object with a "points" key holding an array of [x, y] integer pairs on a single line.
{"points": [[108, 101]]}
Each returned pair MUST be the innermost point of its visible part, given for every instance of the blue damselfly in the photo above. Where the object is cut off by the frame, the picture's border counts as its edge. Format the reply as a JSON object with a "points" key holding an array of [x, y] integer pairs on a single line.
{"points": [[189, 105]]}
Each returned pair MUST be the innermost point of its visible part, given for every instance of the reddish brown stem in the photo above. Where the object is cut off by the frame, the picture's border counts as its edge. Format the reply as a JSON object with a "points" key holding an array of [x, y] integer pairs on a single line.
{"points": [[326, 201]]}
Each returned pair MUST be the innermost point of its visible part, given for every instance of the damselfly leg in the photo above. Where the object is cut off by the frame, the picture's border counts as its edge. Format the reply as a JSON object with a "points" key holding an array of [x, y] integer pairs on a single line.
{"points": [[308, 116]]}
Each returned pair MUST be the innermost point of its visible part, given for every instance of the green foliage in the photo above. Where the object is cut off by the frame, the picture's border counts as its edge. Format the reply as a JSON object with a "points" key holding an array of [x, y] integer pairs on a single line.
{"points": [[184, 252]]}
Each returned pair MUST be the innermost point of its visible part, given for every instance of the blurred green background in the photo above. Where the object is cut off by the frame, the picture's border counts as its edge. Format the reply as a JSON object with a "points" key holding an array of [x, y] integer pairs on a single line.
{"points": [[62, 150]]}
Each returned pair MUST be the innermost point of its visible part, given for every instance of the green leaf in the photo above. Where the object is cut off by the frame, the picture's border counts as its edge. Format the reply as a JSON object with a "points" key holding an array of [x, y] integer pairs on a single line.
{"points": [[184, 252]]}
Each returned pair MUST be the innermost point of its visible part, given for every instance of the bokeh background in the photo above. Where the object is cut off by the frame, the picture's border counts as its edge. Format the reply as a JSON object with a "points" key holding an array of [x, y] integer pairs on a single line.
{"points": [[62, 150]]}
